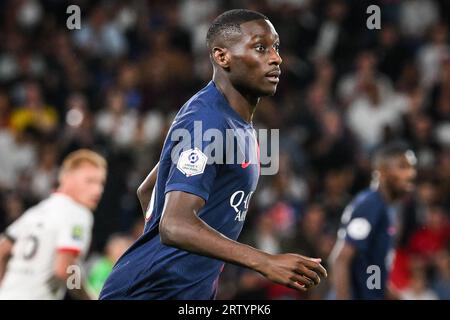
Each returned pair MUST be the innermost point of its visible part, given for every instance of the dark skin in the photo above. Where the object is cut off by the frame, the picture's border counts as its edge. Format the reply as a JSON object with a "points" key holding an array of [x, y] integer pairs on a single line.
{"points": [[396, 178], [144, 192], [246, 68]]}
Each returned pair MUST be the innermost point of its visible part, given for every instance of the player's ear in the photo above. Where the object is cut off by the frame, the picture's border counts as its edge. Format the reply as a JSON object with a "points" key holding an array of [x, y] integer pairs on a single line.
{"points": [[65, 177], [221, 57], [381, 171]]}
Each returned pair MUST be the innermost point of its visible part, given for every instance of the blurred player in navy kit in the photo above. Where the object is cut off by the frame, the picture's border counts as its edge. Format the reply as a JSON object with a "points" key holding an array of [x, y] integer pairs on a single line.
{"points": [[369, 224], [197, 208]]}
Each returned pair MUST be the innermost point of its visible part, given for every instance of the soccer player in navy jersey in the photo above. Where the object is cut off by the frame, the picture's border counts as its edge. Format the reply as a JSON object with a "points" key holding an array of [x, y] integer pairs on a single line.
{"points": [[363, 252], [198, 206]]}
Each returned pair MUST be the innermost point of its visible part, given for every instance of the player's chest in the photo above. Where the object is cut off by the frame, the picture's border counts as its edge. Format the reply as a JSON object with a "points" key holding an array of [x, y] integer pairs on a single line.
{"points": [[242, 160]]}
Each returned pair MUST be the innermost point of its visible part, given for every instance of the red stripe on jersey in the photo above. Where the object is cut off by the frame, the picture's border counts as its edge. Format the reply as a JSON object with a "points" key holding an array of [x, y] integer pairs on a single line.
{"points": [[75, 251]]}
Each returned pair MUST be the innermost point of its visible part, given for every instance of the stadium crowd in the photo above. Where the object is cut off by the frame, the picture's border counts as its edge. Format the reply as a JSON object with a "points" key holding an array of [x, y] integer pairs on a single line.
{"points": [[116, 84]]}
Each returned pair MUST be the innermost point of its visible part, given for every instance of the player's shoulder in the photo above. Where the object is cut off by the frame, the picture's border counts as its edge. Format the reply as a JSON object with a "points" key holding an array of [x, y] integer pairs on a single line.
{"points": [[37, 209], [64, 209], [361, 215], [204, 106], [368, 196], [368, 201]]}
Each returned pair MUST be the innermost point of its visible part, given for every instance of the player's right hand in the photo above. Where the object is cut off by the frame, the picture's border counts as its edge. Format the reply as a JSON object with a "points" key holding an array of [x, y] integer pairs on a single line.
{"points": [[294, 271]]}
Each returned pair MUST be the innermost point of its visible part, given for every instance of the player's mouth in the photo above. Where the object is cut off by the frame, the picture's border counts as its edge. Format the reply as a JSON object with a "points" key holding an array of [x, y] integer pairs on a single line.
{"points": [[409, 186], [94, 201], [274, 76]]}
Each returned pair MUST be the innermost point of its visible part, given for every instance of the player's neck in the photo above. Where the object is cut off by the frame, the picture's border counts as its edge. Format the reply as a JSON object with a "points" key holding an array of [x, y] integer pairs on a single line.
{"points": [[67, 194], [243, 104], [387, 194], [61, 191]]}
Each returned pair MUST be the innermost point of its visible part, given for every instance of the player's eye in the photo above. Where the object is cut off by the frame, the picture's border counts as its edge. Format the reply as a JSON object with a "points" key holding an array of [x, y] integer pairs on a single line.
{"points": [[260, 48], [277, 47]]}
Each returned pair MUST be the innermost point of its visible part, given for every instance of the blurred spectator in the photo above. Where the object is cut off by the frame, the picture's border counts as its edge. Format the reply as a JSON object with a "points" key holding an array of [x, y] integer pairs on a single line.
{"points": [[432, 55], [21, 156], [128, 79], [356, 85], [418, 288], [14, 207], [101, 36], [266, 237], [391, 53], [369, 116], [334, 146], [333, 40], [311, 228], [79, 127], [35, 112], [423, 140], [416, 16], [425, 244], [444, 177], [44, 176], [196, 16], [29, 13], [440, 105], [5, 111], [118, 121], [335, 195], [433, 236], [285, 187], [441, 279]]}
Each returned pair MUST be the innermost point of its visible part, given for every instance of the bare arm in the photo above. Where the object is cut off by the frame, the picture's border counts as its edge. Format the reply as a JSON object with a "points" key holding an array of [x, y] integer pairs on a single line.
{"points": [[144, 192], [341, 270], [61, 272], [6, 246], [181, 227]]}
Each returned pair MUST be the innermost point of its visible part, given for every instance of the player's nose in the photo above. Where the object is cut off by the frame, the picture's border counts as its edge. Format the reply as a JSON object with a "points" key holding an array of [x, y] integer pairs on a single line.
{"points": [[412, 173], [275, 57]]}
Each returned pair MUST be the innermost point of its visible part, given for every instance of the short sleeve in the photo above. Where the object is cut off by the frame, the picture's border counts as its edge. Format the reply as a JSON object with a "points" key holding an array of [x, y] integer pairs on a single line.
{"points": [[359, 228], [192, 168], [74, 233]]}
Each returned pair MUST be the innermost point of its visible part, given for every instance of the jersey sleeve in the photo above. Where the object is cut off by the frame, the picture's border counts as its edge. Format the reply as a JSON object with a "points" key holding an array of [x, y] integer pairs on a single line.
{"points": [[360, 227], [192, 168], [74, 233]]}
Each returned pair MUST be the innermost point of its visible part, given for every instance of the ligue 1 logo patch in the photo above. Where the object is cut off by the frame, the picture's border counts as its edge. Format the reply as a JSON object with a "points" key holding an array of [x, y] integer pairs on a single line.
{"points": [[193, 157], [192, 162], [77, 232], [359, 228]]}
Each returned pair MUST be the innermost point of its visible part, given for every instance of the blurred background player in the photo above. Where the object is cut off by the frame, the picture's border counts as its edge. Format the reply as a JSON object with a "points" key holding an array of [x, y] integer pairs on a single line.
{"points": [[369, 224], [37, 249]]}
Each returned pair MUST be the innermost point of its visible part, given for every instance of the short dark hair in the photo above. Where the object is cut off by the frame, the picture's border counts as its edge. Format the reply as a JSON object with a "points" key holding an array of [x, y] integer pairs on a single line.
{"points": [[229, 22], [389, 151]]}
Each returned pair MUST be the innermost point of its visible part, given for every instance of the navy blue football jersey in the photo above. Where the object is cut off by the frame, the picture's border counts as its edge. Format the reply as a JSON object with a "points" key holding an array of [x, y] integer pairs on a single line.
{"points": [[369, 224], [211, 152]]}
